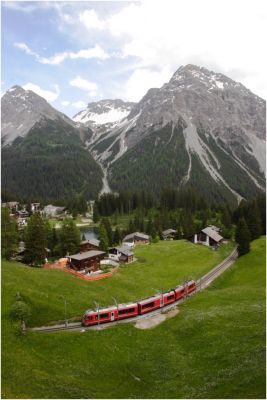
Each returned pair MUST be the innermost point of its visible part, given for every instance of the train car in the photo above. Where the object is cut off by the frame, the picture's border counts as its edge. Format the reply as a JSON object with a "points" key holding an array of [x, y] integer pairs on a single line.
{"points": [[169, 297], [127, 310], [150, 304], [179, 292], [99, 317], [191, 286]]}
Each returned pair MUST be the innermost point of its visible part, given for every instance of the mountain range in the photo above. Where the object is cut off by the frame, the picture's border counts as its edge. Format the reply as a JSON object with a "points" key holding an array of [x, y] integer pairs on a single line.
{"points": [[201, 130]]}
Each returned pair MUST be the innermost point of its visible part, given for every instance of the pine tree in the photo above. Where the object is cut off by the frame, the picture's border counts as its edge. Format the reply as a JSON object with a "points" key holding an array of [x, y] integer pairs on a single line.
{"points": [[9, 234], [35, 240], [103, 237], [242, 237], [107, 225], [226, 218], [117, 236], [69, 237], [95, 213], [253, 220]]}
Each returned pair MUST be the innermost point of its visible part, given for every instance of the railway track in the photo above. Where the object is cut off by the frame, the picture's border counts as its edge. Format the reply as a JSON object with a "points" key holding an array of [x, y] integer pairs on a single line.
{"points": [[201, 283]]}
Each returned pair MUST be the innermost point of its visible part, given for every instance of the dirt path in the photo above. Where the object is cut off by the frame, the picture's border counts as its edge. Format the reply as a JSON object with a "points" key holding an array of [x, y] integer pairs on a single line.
{"points": [[148, 323]]}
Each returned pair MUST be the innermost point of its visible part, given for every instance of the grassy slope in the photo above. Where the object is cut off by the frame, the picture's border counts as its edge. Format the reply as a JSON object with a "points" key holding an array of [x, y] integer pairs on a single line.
{"points": [[164, 265], [214, 348]]}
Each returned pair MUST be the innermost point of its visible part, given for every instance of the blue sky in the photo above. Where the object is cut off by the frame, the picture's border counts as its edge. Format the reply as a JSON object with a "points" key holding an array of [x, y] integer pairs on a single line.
{"points": [[73, 53]]}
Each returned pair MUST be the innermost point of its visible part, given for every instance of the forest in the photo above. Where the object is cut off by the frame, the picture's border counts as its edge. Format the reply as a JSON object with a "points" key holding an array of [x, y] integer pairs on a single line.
{"points": [[49, 164]]}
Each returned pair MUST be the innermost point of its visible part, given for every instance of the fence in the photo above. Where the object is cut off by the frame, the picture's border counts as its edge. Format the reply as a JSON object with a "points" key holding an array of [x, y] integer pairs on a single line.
{"points": [[81, 276]]}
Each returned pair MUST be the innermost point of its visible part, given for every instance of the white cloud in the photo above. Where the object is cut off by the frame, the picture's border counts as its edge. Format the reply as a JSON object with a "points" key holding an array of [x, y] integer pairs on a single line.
{"points": [[46, 94], [93, 52], [174, 33], [65, 103], [90, 20], [143, 79], [79, 104], [84, 84]]}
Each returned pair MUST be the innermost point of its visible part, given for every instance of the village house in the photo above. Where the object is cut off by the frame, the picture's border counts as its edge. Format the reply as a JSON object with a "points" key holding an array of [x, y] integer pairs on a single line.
{"points": [[91, 244], [122, 254], [169, 234], [11, 205], [35, 207], [207, 237], [136, 238], [22, 214], [88, 261], [52, 211]]}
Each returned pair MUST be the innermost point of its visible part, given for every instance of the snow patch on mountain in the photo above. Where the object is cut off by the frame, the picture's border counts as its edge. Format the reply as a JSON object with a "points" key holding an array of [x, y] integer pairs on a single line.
{"points": [[113, 115], [104, 112]]}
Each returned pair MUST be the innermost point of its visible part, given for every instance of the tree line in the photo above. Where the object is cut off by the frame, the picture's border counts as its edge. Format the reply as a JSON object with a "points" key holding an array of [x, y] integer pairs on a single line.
{"points": [[42, 240]]}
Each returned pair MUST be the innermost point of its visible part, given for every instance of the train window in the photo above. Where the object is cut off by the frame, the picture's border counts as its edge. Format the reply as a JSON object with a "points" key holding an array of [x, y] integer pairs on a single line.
{"points": [[126, 311], [100, 316], [148, 305], [170, 297]]}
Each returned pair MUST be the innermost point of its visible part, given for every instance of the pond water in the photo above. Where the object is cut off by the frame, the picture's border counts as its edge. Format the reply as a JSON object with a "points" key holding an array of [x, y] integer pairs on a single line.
{"points": [[89, 233]]}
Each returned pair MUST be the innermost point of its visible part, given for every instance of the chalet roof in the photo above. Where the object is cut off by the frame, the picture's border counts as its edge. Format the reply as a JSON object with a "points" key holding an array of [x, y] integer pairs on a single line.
{"points": [[168, 231], [94, 242], [136, 234], [212, 234], [125, 250], [215, 228], [86, 254]]}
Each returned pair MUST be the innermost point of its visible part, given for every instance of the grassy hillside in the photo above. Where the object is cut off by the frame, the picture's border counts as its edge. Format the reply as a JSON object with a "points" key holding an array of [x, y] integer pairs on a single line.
{"points": [[162, 266], [214, 348]]}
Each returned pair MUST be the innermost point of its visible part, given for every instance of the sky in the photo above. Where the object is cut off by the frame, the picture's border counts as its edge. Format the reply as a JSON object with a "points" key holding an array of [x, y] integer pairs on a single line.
{"points": [[75, 52]]}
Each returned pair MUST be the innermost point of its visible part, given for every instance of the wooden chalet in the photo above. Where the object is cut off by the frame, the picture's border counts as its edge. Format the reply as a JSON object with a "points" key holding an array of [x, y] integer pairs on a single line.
{"points": [[88, 261], [91, 244], [122, 254], [136, 238], [169, 234], [207, 237]]}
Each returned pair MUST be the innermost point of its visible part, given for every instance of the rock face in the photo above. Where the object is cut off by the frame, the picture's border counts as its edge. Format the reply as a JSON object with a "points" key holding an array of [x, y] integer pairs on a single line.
{"points": [[21, 109], [216, 124]]}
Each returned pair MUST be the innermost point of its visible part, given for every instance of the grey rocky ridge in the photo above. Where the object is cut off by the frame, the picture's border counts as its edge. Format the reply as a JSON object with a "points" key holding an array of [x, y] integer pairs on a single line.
{"points": [[200, 129]]}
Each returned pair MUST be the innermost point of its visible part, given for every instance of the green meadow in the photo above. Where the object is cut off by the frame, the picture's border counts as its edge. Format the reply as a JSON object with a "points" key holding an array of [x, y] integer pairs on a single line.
{"points": [[213, 348]]}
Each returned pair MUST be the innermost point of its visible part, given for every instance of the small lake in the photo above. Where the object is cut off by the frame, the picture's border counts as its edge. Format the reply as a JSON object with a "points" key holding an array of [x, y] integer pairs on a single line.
{"points": [[89, 233]]}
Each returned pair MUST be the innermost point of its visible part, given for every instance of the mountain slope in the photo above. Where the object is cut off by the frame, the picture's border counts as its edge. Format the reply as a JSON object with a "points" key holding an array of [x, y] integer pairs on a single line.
{"points": [[218, 122], [43, 156]]}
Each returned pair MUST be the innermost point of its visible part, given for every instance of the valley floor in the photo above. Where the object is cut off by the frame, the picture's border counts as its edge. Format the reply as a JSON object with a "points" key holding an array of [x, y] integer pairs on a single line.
{"points": [[213, 348]]}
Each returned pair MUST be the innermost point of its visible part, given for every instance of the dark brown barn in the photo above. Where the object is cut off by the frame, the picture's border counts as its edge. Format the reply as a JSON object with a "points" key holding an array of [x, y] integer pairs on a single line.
{"points": [[91, 244], [169, 234], [88, 261], [136, 238]]}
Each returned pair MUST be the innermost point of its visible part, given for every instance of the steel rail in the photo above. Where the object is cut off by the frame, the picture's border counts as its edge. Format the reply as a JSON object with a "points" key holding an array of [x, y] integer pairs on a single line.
{"points": [[201, 284]]}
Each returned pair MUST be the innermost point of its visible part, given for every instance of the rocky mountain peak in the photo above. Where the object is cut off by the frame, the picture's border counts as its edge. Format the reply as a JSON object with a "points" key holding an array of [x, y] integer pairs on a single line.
{"points": [[21, 109]]}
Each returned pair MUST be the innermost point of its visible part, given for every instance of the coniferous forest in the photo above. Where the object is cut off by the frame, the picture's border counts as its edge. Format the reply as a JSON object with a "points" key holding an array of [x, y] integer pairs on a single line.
{"points": [[50, 163]]}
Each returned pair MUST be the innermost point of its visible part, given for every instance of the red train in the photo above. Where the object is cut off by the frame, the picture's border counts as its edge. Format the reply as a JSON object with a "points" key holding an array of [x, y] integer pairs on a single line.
{"points": [[141, 307]]}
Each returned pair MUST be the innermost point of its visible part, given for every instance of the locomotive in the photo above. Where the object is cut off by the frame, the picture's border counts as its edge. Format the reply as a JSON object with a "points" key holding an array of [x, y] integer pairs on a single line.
{"points": [[130, 310]]}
